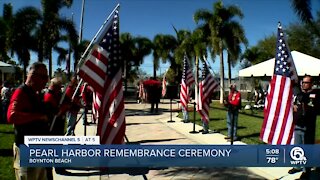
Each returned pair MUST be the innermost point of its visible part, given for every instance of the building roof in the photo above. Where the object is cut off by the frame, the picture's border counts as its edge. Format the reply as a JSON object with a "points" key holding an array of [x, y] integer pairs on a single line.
{"points": [[304, 63]]}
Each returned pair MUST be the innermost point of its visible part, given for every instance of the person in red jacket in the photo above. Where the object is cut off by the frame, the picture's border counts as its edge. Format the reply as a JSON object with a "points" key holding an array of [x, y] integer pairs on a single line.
{"points": [[233, 103], [87, 97], [51, 100], [26, 112], [74, 107], [53, 108]]}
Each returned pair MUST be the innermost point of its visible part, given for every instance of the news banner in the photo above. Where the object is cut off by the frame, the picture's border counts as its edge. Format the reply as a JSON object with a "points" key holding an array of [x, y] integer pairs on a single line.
{"points": [[84, 151]]}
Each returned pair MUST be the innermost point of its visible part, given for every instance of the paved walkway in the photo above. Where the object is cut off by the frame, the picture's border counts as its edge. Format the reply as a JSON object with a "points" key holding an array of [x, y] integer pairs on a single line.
{"points": [[144, 128]]}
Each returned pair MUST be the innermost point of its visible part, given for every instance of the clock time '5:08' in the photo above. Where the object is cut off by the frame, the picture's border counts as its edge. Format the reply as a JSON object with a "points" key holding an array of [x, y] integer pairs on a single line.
{"points": [[272, 151]]}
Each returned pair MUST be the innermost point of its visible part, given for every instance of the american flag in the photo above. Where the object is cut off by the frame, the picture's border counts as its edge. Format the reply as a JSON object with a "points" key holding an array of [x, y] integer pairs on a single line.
{"points": [[277, 127], [96, 103], [164, 85], [142, 94], [102, 71], [186, 82], [206, 88]]}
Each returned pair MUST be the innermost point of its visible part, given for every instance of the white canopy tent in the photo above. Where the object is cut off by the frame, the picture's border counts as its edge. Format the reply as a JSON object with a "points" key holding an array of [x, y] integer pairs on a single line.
{"points": [[304, 63], [5, 68]]}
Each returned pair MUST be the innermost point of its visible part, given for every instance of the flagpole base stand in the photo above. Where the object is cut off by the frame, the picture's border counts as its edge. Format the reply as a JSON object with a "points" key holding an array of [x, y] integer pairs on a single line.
{"points": [[194, 132], [170, 121]]}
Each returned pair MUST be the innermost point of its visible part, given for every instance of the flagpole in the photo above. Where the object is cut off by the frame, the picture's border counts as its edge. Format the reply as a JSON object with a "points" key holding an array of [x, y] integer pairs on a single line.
{"points": [[80, 33], [81, 21]]}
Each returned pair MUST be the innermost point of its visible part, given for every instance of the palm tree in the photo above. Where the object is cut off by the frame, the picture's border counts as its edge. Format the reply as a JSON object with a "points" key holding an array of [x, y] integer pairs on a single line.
{"points": [[303, 9], [195, 46], [5, 31], [3, 40], [79, 49], [163, 47], [251, 55], [62, 54], [143, 46], [166, 48], [52, 28], [25, 22], [133, 49], [217, 21], [234, 40]]}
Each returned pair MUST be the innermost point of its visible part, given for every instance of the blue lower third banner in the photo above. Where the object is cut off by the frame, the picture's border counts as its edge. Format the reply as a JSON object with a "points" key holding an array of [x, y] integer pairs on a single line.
{"points": [[169, 155]]}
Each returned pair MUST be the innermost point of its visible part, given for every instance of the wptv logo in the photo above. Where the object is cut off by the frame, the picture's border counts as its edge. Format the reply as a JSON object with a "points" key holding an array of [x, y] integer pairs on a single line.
{"points": [[298, 157]]}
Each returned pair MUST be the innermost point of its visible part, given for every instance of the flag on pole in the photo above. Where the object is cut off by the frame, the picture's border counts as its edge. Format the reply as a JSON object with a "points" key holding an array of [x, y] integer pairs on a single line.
{"points": [[142, 94], [206, 88], [278, 125], [102, 71], [186, 82], [164, 84], [96, 103]]}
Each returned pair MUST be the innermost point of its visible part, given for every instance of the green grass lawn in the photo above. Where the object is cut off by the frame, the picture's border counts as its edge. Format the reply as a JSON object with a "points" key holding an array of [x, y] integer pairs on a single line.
{"points": [[249, 123], [6, 153]]}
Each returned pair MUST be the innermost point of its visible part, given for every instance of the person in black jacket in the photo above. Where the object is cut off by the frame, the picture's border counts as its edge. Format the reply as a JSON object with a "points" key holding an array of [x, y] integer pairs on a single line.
{"points": [[306, 105]]}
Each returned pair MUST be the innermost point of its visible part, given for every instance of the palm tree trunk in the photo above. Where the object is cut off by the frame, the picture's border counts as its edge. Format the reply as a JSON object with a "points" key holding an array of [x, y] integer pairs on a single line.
{"points": [[229, 69], [125, 77], [154, 71], [155, 67], [50, 64], [221, 76], [40, 51], [24, 73], [196, 86]]}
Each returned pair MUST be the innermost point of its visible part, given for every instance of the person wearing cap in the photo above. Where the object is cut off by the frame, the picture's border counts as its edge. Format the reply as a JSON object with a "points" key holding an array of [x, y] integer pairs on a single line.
{"points": [[233, 103]]}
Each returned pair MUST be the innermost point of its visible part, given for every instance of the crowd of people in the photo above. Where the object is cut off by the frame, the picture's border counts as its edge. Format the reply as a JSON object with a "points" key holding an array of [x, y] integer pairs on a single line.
{"points": [[36, 111]]}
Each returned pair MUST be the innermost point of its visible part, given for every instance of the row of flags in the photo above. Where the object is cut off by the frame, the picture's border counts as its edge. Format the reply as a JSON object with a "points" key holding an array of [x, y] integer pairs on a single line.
{"points": [[206, 87], [278, 124], [102, 71]]}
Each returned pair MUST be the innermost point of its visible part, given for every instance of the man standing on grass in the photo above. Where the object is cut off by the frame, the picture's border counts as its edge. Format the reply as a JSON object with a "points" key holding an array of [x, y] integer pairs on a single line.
{"points": [[26, 111], [233, 103], [306, 105]]}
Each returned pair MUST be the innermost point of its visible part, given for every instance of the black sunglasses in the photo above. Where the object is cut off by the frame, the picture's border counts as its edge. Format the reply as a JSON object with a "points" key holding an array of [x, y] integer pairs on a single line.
{"points": [[42, 76]]}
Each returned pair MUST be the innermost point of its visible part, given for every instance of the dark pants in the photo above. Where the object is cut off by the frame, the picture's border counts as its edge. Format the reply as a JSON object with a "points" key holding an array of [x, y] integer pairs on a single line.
{"points": [[152, 106], [5, 105]]}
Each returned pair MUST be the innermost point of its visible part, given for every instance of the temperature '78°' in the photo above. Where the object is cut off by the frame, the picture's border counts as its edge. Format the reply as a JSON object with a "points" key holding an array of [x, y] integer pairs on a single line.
{"points": [[272, 160]]}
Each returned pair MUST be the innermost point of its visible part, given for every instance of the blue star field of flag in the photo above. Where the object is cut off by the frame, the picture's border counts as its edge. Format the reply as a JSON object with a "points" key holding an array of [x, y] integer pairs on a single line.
{"points": [[205, 70], [111, 44], [284, 64], [187, 74]]}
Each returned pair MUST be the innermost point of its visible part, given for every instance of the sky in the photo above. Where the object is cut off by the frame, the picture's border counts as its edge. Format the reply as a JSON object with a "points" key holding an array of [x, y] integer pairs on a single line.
{"points": [[150, 17]]}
